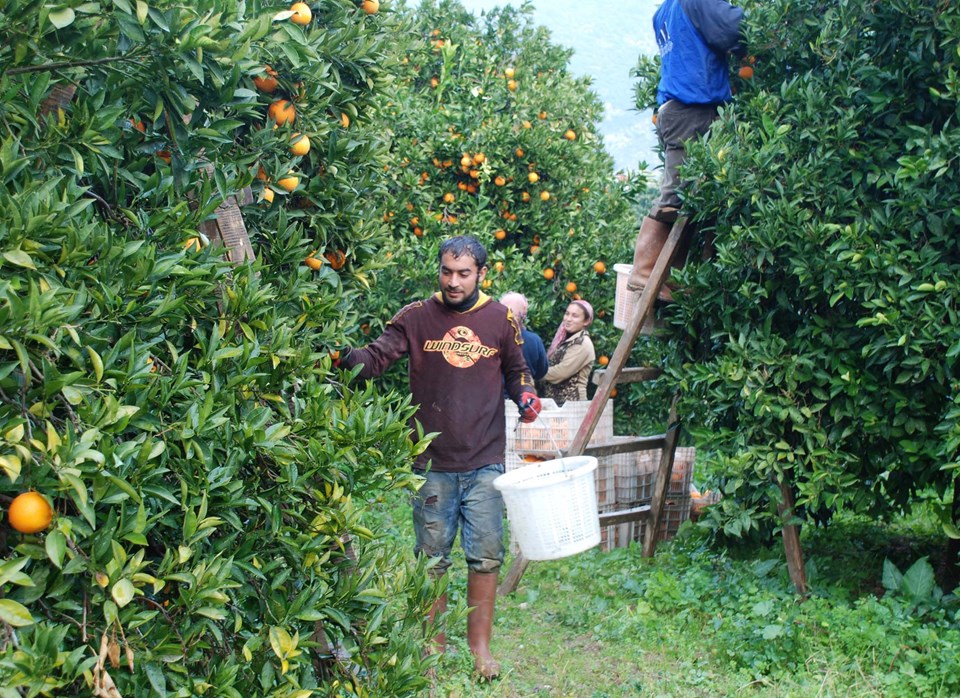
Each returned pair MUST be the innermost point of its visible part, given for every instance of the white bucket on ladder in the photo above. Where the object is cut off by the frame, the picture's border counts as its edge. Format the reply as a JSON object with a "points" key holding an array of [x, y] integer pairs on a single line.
{"points": [[552, 507]]}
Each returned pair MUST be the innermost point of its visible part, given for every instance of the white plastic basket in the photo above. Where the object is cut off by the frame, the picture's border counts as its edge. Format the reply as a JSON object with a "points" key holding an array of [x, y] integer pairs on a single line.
{"points": [[552, 507]]}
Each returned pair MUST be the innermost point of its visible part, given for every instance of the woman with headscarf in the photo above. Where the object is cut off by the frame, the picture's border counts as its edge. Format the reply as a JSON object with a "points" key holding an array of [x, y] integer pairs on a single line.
{"points": [[533, 350], [571, 356]]}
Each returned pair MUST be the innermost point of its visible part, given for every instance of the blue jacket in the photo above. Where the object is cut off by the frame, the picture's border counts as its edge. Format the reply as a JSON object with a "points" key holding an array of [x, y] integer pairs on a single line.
{"points": [[694, 37], [535, 354]]}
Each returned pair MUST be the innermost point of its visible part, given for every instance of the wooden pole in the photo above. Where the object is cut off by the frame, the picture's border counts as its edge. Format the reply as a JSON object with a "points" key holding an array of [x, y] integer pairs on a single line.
{"points": [[664, 472]]}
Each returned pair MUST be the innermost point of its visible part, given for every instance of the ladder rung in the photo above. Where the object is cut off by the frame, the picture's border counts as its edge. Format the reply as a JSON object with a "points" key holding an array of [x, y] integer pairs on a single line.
{"points": [[630, 375], [639, 443], [625, 515]]}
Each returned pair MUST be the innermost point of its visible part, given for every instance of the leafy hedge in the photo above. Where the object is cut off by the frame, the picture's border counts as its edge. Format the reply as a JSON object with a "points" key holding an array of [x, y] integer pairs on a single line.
{"points": [[207, 469], [820, 342]]}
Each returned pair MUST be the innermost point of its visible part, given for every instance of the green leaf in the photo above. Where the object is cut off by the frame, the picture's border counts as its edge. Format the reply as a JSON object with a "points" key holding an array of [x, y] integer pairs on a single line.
{"points": [[123, 592], [918, 581], [62, 18], [15, 614], [20, 258], [56, 547]]}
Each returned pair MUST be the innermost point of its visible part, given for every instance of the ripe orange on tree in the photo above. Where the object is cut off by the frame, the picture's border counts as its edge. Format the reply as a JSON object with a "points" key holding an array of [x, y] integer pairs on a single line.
{"points": [[600, 268], [499, 181], [344, 120], [299, 144], [449, 197], [501, 234], [603, 360], [745, 72], [518, 152], [479, 159], [289, 182], [282, 112], [548, 273], [371, 7], [512, 85], [30, 512], [138, 125], [544, 196], [165, 155], [192, 244], [533, 177], [571, 287], [466, 161], [268, 195], [267, 80], [525, 196], [313, 262], [301, 13], [509, 72], [570, 134]]}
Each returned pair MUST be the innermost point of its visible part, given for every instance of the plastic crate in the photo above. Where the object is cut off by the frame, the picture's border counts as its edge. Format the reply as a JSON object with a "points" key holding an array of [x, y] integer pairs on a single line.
{"points": [[675, 512], [552, 431], [606, 473], [635, 479]]}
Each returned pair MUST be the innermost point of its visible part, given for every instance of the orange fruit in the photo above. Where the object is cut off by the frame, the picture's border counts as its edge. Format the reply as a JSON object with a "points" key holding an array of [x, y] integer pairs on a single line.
{"points": [[344, 120], [654, 119], [518, 152], [282, 112], [533, 178], [499, 181], [745, 72], [267, 80], [466, 161], [138, 124], [418, 232], [30, 512], [313, 262], [289, 182], [487, 283], [192, 244], [534, 249], [434, 82], [613, 393], [526, 124], [301, 13], [512, 85], [299, 144], [570, 134], [165, 155], [548, 273], [268, 195], [500, 234], [603, 360], [498, 266], [449, 197], [509, 72], [542, 116], [479, 159], [571, 287], [371, 7], [544, 196], [600, 268], [336, 258], [525, 196]]}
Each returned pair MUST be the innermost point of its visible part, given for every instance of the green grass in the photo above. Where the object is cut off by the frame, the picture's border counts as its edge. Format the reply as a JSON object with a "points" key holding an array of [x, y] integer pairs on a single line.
{"points": [[703, 621]]}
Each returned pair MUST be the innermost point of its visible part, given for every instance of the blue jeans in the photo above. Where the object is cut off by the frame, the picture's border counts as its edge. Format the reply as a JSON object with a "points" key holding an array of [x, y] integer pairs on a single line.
{"points": [[468, 501]]}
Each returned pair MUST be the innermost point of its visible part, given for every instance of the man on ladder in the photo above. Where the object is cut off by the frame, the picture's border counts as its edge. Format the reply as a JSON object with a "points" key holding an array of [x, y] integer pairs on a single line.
{"points": [[694, 37]]}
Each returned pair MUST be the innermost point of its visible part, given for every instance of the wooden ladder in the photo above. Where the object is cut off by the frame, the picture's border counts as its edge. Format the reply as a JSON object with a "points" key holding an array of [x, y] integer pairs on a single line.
{"points": [[616, 372]]}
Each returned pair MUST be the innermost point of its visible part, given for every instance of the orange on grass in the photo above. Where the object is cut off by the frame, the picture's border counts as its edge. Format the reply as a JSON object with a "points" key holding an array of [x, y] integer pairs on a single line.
{"points": [[571, 287], [542, 116], [600, 268], [548, 273], [570, 134], [526, 124], [371, 7], [299, 144], [434, 83], [301, 13], [313, 262], [533, 177], [289, 182], [282, 112], [745, 72], [267, 80], [603, 360], [30, 512]]}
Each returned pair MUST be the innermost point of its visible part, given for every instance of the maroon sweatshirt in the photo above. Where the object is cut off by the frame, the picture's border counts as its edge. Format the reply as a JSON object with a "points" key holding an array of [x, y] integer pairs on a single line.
{"points": [[458, 364]]}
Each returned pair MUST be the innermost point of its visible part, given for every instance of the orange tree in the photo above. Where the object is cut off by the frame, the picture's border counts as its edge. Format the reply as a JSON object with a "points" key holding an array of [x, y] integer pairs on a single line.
{"points": [[492, 136], [821, 339], [205, 467]]}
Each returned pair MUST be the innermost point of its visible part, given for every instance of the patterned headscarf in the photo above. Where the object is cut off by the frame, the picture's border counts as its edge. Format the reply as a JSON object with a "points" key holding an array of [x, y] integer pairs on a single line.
{"points": [[561, 334], [517, 302]]}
